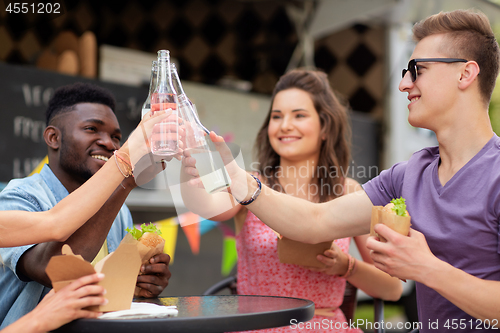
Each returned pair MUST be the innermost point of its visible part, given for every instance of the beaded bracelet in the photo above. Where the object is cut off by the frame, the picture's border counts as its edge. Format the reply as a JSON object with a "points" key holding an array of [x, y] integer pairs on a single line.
{"points": [[126, 161], [121, 161], [350, 267], [254, 195]]}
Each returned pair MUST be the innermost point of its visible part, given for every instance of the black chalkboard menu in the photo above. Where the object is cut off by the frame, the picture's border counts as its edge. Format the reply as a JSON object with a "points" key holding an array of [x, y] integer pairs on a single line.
{"points": [[24, 94]]}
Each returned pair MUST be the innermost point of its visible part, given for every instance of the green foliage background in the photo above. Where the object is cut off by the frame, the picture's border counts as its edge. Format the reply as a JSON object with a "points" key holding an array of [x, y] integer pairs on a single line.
{"points": [[494, 108]]}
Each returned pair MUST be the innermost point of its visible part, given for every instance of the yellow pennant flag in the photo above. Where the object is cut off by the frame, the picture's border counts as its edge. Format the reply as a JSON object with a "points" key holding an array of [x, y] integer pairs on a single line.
{"points": [[40, 165], [168, 228]]}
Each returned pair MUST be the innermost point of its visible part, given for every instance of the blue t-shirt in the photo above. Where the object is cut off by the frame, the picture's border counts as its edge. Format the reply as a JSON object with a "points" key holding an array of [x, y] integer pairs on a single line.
{"points": [[39, 192], [460, 221]]}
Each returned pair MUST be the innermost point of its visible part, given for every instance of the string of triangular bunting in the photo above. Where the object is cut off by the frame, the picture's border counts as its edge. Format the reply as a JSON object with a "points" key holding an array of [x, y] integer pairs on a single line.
{"points": [[194, 227]]}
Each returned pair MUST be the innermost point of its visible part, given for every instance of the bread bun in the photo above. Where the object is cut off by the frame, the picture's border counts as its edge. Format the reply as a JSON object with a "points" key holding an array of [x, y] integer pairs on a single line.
{"points": [[389, 209], [151, 239], [386, 215]]}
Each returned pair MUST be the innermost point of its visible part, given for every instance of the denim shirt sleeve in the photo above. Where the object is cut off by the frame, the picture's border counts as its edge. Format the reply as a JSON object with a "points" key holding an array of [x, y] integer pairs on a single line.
{"points": [[18, 297], [16, 199], [122, 221]]}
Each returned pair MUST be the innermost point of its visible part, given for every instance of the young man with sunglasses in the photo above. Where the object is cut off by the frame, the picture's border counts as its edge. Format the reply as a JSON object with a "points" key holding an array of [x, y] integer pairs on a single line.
{"points": [[452, 191]]}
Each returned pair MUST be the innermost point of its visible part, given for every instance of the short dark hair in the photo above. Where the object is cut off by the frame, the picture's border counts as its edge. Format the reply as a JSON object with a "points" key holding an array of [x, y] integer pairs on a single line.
{"points": [[66, 97], [469, 36]]}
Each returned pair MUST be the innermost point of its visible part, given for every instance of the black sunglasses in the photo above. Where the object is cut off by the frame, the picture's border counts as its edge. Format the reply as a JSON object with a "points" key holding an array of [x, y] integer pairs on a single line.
{"points": [[412, 65]]}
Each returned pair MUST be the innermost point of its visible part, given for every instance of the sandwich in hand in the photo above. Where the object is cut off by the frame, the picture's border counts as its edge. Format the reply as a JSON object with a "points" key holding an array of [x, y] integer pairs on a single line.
{"points": [[394, 215], [148, 241]]}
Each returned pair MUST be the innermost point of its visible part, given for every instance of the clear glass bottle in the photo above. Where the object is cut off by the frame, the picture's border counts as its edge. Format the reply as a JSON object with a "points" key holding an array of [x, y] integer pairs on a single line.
{"points": [[209, 163], [192, 125], [165, 140], [146, 107]]}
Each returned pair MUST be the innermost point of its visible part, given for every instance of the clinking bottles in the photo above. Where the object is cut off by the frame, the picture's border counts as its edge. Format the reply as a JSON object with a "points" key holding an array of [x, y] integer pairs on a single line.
{"points": [[165, 139], [146, 107], [209, 163]]}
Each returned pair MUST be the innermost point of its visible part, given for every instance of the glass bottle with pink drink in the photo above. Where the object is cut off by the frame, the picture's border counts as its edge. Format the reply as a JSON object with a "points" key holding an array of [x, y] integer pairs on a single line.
{"points": [[165, 138]]}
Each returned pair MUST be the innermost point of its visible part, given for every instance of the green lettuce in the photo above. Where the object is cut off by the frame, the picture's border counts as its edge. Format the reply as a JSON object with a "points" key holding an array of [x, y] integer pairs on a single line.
{"points": [[399, 206], [137, 234]]}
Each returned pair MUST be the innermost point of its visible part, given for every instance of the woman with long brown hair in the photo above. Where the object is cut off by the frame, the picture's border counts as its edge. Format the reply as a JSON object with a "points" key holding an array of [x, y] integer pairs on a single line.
{"points": [[303, 150]]}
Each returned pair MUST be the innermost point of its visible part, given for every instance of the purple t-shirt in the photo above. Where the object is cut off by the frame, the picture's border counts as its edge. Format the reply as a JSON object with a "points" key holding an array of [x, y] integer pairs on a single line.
{"points": [[460, 222]]}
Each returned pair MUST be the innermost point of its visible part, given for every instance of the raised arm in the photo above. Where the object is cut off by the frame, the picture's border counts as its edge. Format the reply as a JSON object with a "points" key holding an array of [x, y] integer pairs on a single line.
{"points": [[58, 223], [346, 216], [87, 240], [219, 206]]}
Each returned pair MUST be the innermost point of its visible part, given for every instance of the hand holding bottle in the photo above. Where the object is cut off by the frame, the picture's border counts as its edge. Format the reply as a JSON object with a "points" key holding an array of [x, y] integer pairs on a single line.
{"points": [[165, 142]]}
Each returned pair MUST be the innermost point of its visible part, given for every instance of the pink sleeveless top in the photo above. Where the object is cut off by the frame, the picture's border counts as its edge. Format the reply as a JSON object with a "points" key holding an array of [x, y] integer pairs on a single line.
{"points": [[261, 273]]}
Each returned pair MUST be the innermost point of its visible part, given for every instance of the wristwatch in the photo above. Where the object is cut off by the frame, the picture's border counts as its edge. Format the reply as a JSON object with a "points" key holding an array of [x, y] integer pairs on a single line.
{"points": [[254, 195]]}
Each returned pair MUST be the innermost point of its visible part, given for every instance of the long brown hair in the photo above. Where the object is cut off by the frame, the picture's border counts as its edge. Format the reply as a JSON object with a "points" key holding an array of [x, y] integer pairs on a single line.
{"points": [[335, 152], [469, 36]]}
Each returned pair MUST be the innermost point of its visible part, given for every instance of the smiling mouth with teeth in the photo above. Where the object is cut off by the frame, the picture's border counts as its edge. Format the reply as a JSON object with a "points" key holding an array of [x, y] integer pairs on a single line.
{"points": [[100, 157]]}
